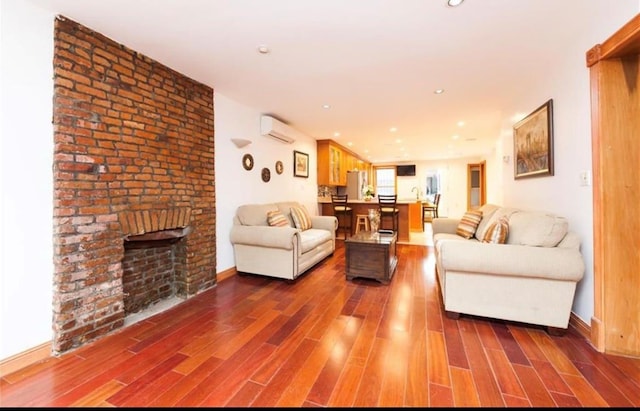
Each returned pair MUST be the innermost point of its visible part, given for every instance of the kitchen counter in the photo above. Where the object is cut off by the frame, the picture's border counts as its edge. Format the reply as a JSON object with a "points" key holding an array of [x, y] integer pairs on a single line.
{"points": [[327, 200], [407, 212]]}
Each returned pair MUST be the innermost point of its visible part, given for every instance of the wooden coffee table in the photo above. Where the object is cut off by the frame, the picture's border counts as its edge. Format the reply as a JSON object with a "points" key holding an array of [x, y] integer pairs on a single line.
{"points": [[371, 255]]}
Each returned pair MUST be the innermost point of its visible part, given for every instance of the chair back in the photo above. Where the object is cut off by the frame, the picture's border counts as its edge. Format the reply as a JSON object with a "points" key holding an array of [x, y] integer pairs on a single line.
{"points": [[387, 202], [436, 200], [339, 202]]}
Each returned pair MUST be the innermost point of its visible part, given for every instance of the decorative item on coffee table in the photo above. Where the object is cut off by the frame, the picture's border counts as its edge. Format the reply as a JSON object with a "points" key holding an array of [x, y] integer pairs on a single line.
{"points": [[374, 220]]}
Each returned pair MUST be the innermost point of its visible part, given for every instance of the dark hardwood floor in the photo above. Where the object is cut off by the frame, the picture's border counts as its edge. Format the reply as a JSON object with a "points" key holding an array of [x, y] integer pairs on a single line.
{"points": [[324, 341]]}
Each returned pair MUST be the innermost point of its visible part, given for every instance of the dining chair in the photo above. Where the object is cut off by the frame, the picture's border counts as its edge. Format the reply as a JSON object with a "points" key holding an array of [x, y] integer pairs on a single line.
{"points": [[430, 209], [343, 213], [388, 209]]}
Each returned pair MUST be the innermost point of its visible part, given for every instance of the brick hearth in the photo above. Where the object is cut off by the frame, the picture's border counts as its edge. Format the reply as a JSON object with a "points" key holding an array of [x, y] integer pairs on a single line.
{"points": [[134, 156]]}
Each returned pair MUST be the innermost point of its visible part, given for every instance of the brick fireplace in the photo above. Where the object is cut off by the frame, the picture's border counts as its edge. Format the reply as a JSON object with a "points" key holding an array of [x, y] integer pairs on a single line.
{"points": [[134, 184]]}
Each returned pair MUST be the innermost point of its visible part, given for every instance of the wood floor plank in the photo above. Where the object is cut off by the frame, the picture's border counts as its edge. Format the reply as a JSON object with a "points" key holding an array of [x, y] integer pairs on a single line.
{"points": [[271, 393], [487, 386], [509, 344], [170, 396], [555, 356], [537, 394], [552, 380], [527, 344], [368, 392], [463, 388], [128, 395], [325, 341], [393, 387], [440, 396], [453, 341], [320, 392], [219, 393], [438, 365], [585, 393], [344, 393], [320, 359], [98, 395], [504, 373]]}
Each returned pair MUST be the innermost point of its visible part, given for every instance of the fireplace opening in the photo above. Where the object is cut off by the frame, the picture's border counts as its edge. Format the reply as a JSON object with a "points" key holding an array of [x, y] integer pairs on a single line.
{"points": [[153, 267]]}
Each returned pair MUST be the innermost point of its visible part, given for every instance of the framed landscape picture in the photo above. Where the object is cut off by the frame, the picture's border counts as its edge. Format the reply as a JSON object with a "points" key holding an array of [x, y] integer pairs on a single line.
{"points": [[533, 143], [300, 164]]}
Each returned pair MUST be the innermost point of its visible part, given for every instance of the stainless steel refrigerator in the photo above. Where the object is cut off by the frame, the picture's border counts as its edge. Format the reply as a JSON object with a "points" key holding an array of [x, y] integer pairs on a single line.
{"points": [[356, 181]]}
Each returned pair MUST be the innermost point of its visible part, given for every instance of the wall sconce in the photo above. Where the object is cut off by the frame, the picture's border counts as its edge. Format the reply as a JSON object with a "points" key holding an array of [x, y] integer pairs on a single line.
{"points": [[241, 142], [505, 159]]}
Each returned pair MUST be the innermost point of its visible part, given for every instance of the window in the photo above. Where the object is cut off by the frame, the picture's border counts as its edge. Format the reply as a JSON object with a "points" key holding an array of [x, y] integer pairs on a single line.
{"points": [[386, 180]]}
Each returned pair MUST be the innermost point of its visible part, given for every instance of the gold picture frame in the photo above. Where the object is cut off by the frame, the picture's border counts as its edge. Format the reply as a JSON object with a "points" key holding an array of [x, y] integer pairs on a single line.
{"points": [[300, 164], [533, 143]]}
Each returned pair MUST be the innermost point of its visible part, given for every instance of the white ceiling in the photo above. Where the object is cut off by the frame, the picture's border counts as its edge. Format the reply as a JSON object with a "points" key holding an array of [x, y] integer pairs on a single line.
{"points": [[376, 62]]}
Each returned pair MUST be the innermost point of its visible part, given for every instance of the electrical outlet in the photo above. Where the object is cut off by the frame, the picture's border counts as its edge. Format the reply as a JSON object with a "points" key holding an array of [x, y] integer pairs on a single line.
{"points": [[585, 178]]}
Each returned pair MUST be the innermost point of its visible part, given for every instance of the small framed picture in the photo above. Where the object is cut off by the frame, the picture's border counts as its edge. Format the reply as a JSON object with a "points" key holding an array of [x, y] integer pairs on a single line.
{"points": [[300, 164]]}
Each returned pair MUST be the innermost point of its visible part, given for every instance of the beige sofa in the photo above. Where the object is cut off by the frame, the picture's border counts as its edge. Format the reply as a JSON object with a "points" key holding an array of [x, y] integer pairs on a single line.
{"points": [[283, 252], [531, 278]]}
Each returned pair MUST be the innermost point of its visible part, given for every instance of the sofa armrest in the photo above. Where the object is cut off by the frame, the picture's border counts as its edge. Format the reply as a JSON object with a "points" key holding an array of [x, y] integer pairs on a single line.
{"points": [[444, 225], [324, 222], [564, 264], [265, 236]]}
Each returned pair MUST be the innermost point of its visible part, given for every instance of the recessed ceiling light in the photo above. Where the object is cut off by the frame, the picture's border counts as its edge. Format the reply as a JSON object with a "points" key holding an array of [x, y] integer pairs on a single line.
{"points": [[460, 123], [336, 134], [454, 3], [455, 137], [393, 129], [439, 91], [326, 106], [263, 49]]}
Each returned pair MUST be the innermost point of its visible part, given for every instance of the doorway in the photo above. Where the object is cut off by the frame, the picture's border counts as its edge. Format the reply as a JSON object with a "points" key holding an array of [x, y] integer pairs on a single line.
{"points": [[476, 185]]}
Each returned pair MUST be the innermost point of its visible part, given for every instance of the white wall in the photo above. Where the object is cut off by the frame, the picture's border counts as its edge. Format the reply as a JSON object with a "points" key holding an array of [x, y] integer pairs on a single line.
{"points": [[26, 178], [236, 186]]}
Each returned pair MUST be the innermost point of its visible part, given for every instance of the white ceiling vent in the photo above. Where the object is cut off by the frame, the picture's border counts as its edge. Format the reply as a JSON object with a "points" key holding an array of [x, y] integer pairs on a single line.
{"points": [[276, 129]]}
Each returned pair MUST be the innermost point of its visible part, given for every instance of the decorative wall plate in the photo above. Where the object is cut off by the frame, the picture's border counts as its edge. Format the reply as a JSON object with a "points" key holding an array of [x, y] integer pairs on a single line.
{"points": [[247, 162], [279, 167], [266, 174]]}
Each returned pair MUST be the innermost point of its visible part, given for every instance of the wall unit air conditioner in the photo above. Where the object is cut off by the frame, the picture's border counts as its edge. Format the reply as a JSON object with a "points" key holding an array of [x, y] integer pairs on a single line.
{"points": [[276, 129]]}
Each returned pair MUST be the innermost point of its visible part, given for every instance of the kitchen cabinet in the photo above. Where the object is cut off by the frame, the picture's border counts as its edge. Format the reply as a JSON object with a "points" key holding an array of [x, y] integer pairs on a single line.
{"points": [[416, 220], [334, 161]]}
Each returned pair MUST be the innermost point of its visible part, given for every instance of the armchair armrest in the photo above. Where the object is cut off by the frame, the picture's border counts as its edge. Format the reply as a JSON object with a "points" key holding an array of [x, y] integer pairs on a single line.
{"points": [[444, 225], [326, 222], [265, 236], [564, 264]]}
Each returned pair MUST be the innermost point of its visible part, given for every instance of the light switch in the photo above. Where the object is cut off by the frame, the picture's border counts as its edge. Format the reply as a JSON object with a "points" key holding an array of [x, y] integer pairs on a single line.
{"points": [[585, 178]]}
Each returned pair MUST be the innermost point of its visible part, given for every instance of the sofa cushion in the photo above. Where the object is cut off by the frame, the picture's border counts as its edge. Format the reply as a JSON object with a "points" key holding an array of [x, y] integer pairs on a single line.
{"points": [[301, 218], [276, 219], [469, 223], [536, 228], [497, 232], [487, 212], [312, 238], [495, 216], [254, 214]]}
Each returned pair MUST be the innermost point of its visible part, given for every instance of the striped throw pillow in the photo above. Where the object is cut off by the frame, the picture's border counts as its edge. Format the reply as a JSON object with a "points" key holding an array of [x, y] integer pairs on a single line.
{"points": [[497, 232], [301, 218], [276, 219], [468, 224]]}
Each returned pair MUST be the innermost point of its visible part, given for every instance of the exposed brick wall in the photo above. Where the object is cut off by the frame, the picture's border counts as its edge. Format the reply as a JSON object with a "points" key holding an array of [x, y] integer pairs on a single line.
{"points": [[132, 138]]}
